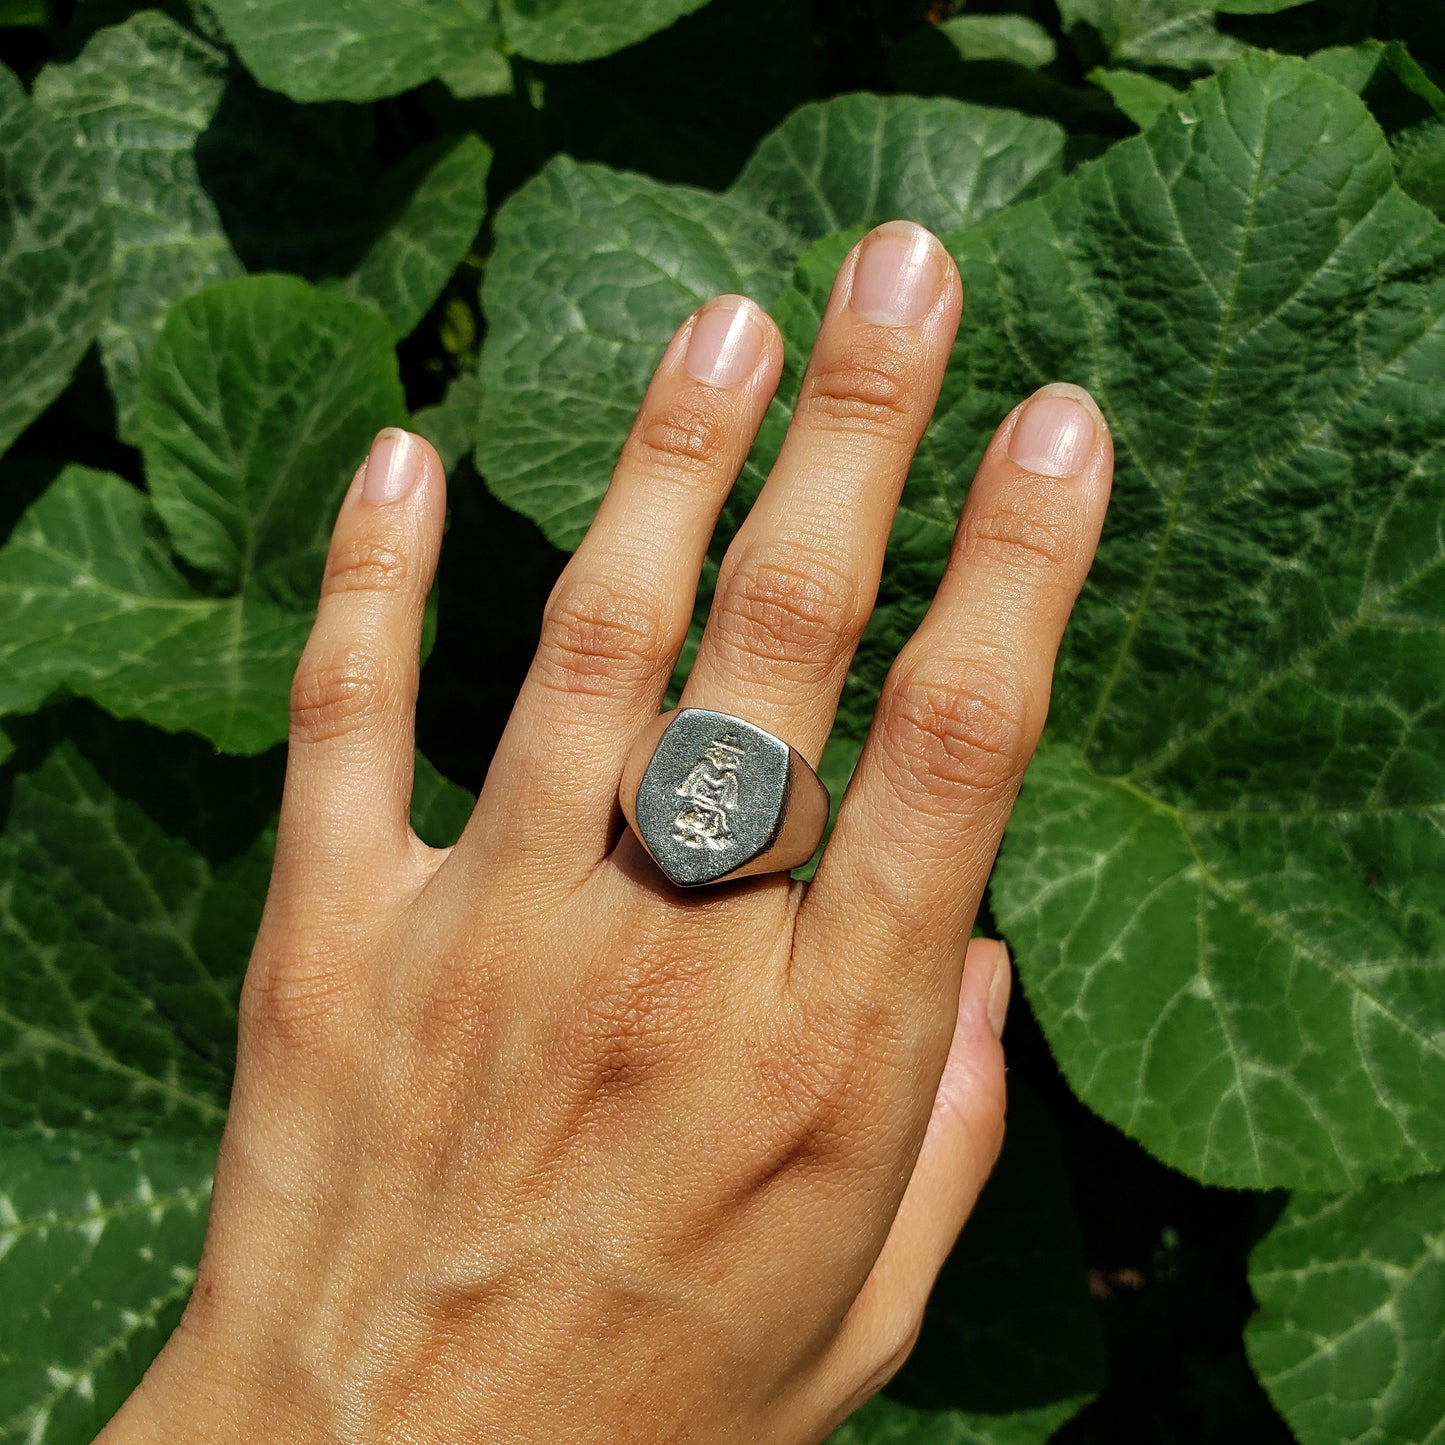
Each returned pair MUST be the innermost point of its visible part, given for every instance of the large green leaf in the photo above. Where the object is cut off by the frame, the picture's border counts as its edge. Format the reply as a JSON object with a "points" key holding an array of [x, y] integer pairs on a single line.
{"points": [[1420, 164], [592, 270], [1350, 1335], [862, 159], [1011, 1345], [189, 159], [1222, 878], [258, 401], [570, 30], [257, 404], [1140, 96], [436, 221], [1014, 39], [122, 943], [142, 93], [96, 605], [357, 51], [1176, 34], [54, 257], [98, 1245]]}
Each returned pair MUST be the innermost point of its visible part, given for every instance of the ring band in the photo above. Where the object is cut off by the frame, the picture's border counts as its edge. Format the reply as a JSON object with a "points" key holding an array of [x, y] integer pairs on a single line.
{"points": [[714, 797]]}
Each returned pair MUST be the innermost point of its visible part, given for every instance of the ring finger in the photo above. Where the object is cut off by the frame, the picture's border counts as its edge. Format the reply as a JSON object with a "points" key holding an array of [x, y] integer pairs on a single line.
{"points": [[798, 581]]}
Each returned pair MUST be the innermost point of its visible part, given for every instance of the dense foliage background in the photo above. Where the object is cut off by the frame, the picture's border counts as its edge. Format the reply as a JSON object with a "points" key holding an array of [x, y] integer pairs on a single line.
{"points": [[238, 237]]}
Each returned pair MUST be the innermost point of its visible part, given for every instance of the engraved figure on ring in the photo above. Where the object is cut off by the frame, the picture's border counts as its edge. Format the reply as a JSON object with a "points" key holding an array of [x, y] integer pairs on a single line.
{"points": [[711, 789]]}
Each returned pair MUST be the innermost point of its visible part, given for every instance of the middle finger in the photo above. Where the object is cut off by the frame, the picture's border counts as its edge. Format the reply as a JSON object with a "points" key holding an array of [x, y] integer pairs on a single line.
{"points": [[799, 579]]}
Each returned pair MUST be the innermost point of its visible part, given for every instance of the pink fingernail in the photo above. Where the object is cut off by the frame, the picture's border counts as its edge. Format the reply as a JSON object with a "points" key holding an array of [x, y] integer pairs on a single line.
{"points": [[898, 276], [726, 342], [392, 466], [999, 988], [1056, 432]]}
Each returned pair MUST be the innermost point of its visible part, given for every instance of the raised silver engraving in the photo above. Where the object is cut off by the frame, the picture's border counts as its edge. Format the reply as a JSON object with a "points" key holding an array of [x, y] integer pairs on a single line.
{"points": [[711, 790]]}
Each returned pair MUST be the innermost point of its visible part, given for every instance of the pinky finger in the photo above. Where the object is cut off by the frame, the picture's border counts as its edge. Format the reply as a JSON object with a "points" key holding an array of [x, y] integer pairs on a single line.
{"points": [[960, 1147], [344, 821]]}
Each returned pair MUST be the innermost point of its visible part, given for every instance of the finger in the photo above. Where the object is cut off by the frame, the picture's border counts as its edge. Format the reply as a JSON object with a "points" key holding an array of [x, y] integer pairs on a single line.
{"points": [[960, 713], [347, 796], [960, 1147], [799, 579], [616, 620]]}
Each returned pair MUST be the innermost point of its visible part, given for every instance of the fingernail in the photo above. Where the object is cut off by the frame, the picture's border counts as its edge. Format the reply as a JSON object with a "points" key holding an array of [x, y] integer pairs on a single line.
{"points": [[1056, 431], [726, 342], [999, 988], [898, 276], [392, 466]]}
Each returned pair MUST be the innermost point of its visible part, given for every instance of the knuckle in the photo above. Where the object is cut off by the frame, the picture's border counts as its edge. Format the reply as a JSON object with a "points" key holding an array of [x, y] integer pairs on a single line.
{"points": [[1024, 533], [345, 692], [596, 640], [364, 564], [682, 436], [867, 390], [298, 1000], [977, 736], [793, 605], [826, 1085], [632, 1024]]}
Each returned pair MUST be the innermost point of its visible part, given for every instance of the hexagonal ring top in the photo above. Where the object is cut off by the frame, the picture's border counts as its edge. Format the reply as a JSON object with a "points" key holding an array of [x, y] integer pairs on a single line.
{"points": [[713, 797]]}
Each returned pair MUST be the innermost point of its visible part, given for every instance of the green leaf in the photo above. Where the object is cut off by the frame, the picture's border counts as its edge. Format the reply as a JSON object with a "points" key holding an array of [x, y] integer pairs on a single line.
{"points": [[1360, 66], [409, 263], [123, 939], [481, 73], [1011, 1346], [1349, 1340], [1222, 877], [858, 160], [1013, 39], [257, 404], [593, 270], [96, 605], [1413, 77], [258, 401], [565, 31], [1256, 7], [119, 1000], [1139, 96], [1354, 66], [359, 51], [1174, 34], [98, 1247], [451, 424], [1420, 164], [142, 93], [176, 145], [54, 257]]}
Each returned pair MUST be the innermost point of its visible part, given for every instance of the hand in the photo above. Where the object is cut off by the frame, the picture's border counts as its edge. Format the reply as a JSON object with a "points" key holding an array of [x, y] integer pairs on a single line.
{"points": [[527, 1145]]}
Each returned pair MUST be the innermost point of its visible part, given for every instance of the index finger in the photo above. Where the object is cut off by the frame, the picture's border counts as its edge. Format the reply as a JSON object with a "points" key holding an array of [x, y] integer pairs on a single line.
{"points": [[894, 897]]}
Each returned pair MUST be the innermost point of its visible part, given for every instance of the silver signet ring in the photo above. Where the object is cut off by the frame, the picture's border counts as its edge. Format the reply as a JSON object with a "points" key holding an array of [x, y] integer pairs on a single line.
{"points": [[713, 797]]}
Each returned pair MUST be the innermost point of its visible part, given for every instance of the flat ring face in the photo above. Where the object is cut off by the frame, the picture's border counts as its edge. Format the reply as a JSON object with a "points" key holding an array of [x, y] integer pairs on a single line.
{"points": [[713, 795]]}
